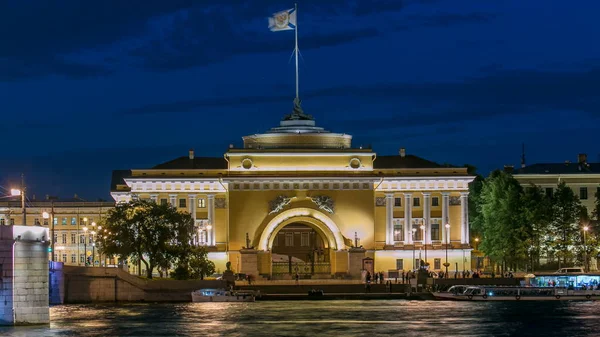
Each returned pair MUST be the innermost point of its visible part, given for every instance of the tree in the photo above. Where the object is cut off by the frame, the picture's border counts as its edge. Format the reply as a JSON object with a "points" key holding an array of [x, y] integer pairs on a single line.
{"points": [[143, 230], [501, 222], [199, 264], [596, 211], [566, 213], [474, 200], [537, 210]]}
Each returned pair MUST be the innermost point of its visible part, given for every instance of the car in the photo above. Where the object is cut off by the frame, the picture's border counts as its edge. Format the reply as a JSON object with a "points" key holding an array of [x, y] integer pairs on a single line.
{"points": [[571, 270]]}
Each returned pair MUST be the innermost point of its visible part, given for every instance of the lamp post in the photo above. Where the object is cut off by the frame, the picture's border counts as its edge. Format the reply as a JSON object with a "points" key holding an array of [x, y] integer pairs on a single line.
{"points": [[50, 216], [414, 230], [424, 243], [585, 261], [93, 248], [447, 242], [85, 229]]}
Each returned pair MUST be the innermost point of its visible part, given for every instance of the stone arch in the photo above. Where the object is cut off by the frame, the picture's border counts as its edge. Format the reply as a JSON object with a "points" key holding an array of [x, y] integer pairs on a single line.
{"points": [[312, 217]]}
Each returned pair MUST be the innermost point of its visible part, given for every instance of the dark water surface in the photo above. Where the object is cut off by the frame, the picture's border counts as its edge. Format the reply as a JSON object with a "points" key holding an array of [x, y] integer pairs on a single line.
{"points": [[322, 318]]}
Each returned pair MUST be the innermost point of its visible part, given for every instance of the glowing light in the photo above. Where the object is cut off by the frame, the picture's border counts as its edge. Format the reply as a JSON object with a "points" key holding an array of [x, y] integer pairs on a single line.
{"points": [[15, 192], [586, 228], [85, 229], [209, 227], [45, 215], [447, 226], [85, 219]]}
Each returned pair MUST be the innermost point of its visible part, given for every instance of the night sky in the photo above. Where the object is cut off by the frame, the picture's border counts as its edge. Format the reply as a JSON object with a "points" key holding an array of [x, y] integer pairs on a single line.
{"points": [[91, 86]]}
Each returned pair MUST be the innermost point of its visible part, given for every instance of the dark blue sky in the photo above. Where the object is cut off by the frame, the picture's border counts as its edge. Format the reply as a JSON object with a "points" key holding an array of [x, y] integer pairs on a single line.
{"points": [[91, 86]]}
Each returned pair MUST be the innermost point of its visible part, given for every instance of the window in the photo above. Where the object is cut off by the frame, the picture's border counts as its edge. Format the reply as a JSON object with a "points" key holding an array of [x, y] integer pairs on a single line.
{"points": [[45, 222], [201, 203], [549, 192], [73, 238], [82, 239], [64, 221], [64, 238], [12, 222], [74, 221], [437, 264], [397, 202], [55, 221], [583, 193], [435, 201], [400, 264], [417, 232], [304, 239], [91, 239], [398, 231], [36, 221], [435, 231], [73, 258], [55, 238], [81, 258], [416, 202], [163, 202], [182, 203], [2, 222], [417, 264], [289, 239], [64, 258]]}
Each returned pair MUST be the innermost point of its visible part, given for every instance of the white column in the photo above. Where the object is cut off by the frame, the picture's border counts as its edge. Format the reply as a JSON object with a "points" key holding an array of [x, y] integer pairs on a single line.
{"points": [[192, 206], [408, 218], [211, 219], [445, 214], [427, 216], [389, 219], [173, 200], [464, 217], [154, 198]]}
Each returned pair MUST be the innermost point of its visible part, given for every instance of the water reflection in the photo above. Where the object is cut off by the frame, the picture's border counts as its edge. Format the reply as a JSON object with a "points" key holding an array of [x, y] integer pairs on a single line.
{"points": [[316, 318]]}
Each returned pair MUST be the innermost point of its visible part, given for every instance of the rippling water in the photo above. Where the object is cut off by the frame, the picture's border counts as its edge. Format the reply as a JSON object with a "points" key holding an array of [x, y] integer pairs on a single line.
{"points": [[319, 318]]}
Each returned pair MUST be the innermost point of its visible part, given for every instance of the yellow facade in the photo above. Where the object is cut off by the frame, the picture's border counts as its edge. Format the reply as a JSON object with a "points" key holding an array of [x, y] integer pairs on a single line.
{"points": [[298, 173]]}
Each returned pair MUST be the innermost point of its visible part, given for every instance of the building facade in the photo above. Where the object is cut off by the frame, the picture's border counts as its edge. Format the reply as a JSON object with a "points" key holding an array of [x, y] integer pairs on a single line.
{"points": [[73, 224], [301, 199]]}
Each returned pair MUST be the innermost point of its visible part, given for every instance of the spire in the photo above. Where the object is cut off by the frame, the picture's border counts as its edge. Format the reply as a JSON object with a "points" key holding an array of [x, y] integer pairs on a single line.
{"points": [[297, 112], [523, 155]]}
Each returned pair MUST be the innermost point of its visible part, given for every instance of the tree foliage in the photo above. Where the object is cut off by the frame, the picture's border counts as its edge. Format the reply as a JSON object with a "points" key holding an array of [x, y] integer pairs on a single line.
{"points": [[156, 235], [564, 228]]}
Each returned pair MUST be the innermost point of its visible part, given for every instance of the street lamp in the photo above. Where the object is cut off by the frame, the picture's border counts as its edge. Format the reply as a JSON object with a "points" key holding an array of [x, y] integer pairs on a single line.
{"points": [[585, 263], [414, 230], [93, 246], [447, 242], [85, 229], [476, 243], [424, 243]]}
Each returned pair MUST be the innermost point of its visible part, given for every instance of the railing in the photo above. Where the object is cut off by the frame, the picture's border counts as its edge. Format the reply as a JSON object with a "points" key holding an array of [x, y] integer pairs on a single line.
{"points": [[301, 268]]}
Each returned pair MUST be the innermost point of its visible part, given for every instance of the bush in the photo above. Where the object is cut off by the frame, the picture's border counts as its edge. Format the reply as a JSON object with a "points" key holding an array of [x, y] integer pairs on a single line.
{"points": [[181, 273]]}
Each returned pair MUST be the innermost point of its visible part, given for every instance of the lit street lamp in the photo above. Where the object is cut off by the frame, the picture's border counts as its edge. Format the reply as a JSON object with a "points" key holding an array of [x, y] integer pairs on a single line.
{"points": [[585, 263], [424, 243], [85, 229], [414, 230], [446, 264], [93, 246]]}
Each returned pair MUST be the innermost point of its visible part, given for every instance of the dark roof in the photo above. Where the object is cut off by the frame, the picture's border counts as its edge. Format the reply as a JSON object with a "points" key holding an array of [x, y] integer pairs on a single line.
{"points": [[408, 161], [118, 178], [185, 163], [560, 168]]}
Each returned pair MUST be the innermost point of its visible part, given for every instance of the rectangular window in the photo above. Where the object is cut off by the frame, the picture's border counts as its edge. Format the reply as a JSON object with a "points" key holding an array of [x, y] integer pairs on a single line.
{"points": [[435, 201], [182, 203], [2, 222], [64, 258], [416, 202], [12, 222], [201, 203], [437, 263], [55, 221], [304, 240], [398, 231], [163, 202], [417, 236], [64, 238], [55, 238], [435, 231], [36, 221], [400, 264], [583, 193], [82, 239], [81, 258], [64, 221], [45, 222], [73, 238], [549, 192], [74, 221], [289, 239], [397, 202], [73, 258], [416, 264]]}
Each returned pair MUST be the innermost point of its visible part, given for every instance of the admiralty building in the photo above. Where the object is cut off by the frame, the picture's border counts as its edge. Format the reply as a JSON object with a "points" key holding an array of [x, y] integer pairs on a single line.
{"points": [[301, 199]]}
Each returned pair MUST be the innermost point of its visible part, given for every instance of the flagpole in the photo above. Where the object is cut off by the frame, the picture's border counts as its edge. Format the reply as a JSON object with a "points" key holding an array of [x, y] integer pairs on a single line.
{"points": [[296, 49]]}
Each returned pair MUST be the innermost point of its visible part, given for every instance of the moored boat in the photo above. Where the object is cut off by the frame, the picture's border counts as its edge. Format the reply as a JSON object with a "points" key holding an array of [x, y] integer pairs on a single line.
{"points": [[491, 293], [222, 295]]}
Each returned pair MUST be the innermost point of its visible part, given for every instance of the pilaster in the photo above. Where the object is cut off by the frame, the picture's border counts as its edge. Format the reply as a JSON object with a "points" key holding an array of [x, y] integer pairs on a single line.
{"points": [[408, 236], [389, 219], [445, 215], [464, 217], [211, 219], [427, 217]]}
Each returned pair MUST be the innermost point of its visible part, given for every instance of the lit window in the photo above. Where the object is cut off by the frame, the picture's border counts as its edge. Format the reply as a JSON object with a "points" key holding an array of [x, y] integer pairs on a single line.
{"points": [[73, 258], [74, 221], [64, 221], [304, 240], [435, 231], [289, 239], [73, 238], [437, 263], [398, 231], [400, 264], [64, 238], [55, 221], [202, 203], [64, 258]]}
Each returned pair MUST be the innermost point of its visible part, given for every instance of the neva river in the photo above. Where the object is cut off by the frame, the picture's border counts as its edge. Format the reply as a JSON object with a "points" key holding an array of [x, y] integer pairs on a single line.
{"points": [[322, 318]]}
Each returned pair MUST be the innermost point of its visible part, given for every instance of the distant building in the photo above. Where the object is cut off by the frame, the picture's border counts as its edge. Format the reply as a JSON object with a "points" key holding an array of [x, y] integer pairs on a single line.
{"points": [[67, 219], [581, 176], [301, 195]]}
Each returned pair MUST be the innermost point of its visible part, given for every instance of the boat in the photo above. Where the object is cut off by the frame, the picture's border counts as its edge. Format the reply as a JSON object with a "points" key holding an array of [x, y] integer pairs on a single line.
{"points": [[492, 293], [222, 295]]}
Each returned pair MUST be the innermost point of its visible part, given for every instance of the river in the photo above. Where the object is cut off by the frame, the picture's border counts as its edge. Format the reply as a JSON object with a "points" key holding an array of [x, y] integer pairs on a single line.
{"points": [[322, 318]]}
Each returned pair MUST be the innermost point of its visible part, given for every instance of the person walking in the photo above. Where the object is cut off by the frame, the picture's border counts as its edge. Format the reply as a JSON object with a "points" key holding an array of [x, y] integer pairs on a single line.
{"points": [[368, 282], [297, 277]]}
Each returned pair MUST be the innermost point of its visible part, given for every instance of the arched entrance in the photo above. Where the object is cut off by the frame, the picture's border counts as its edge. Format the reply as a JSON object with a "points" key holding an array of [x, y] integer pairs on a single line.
{"points": [[299, 248]]}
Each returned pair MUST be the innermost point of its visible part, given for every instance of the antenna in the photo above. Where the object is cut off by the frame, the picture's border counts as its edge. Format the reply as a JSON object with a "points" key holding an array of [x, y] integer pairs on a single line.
{"points": [[523, 155]]}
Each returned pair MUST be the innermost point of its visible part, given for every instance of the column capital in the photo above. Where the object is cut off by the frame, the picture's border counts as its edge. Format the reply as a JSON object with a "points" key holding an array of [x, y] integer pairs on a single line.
{"points": [[210, 196], [389, 195], [426, 194], [173, 195], [154, 195], [192, 196], [407, 195], [464, 194], [445, 194]]}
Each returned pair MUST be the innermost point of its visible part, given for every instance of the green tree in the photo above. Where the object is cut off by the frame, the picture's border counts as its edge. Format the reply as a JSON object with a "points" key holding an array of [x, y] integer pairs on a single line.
{"points": [[596, 211], [566, 214], [502, 225], [199, 264], [154, 234], [475, 188], [537, 210]]}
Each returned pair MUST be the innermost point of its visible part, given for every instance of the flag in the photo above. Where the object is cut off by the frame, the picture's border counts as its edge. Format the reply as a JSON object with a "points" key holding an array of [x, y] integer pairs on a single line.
{"points": [[284, 20]]}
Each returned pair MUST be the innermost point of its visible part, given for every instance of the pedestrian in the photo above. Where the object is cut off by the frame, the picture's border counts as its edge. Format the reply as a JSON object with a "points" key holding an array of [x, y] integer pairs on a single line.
{"points": [[368, 282], [297, 278], [376, 277], [403, 277]]}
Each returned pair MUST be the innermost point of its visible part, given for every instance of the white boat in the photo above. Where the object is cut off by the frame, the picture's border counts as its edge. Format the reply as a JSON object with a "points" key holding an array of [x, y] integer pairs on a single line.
{"points": [[492, 293], [222, 295]]}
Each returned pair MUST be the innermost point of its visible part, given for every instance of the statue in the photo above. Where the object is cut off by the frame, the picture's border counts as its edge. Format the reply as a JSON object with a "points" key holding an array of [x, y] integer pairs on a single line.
{"points": [[323, 202], [279, 203], [228, 276], [297, 112]]}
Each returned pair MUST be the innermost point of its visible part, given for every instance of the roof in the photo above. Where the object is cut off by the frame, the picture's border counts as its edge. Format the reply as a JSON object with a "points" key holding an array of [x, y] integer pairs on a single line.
{"points": [[402, 162], [185, 163], [118, 178], [560, 168]]}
